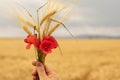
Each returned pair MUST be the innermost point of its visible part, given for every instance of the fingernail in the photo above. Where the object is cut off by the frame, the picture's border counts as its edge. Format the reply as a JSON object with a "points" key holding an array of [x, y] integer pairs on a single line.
{"points": [[38, 64]]}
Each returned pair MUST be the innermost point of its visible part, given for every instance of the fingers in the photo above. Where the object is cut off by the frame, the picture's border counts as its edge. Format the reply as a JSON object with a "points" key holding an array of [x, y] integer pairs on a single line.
{"points": [[34, 78], [48, 70], [40, 70], [34, 73], [50, 73], [34, 63]]}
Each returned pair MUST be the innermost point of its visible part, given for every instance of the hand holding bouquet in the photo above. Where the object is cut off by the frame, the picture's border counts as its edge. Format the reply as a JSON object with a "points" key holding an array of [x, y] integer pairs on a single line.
{"points": [[40, 36], [43, 46]]}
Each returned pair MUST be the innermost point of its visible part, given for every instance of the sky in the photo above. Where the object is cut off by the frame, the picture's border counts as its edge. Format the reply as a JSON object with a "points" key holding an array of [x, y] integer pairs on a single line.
{"points": [[89, 17]]}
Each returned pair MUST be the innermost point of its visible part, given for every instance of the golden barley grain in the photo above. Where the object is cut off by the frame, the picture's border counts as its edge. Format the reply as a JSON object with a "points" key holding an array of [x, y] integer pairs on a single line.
{"points": [[54, 28], [26, 30], [50, 14]]}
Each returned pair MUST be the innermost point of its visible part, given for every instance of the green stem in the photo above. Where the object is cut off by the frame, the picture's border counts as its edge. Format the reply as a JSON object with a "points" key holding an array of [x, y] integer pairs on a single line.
{"points": [[41, 58]]}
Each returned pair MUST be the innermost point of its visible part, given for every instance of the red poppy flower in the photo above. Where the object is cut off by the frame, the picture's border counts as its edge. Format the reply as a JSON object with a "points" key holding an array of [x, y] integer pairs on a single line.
{"points": [[51, 39], [48, 43], [46, 46], [32, 39]]}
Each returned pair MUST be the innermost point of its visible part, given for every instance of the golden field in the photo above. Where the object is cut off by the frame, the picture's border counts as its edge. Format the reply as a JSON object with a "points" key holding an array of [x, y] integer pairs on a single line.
{"points": [[83, 59]]}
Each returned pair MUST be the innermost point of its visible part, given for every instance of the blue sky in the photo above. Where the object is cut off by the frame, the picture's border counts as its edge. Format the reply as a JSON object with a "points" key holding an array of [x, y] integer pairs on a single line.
{"points": [[93, 17]]}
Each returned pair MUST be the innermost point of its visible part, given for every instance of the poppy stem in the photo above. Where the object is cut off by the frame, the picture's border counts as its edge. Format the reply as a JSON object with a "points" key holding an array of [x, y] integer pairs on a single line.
{"points": [[41, 58]]}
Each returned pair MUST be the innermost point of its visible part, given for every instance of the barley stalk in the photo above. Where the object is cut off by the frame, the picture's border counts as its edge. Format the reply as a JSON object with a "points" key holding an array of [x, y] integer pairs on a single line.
{"points": [[24, 21], [53, 29], [28, 22]]}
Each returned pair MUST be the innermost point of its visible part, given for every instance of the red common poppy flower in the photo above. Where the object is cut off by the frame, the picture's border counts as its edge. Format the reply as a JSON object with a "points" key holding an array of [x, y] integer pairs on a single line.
{"points": [[48, 43], [32, 39], [46, 46], [51, 39]]}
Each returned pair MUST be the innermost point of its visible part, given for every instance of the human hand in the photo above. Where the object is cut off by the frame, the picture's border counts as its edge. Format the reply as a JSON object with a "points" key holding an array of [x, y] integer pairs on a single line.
{"points": [[43, 71]]}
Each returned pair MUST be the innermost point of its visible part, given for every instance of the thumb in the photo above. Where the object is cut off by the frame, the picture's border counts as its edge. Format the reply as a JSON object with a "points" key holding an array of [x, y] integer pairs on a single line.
{"points": [[40, 70]]}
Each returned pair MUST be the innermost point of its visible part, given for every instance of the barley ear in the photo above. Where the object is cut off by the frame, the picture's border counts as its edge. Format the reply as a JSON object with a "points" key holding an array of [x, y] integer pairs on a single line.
{"points": [[20, 17], [46, 27], [38, 28], [29, 15], [24, 21], [53, 29], [48, 15], [57, 25], [26, 29]]}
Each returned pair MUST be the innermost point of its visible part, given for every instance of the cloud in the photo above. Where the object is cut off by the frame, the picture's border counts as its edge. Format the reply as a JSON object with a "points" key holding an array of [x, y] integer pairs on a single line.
{"points": [[99, 17], [9, 31], [102, 12], [88, 30]]}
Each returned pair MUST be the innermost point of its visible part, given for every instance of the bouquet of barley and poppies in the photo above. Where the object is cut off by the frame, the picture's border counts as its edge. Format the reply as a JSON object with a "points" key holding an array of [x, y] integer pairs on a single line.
{"points": [[40, 31]]}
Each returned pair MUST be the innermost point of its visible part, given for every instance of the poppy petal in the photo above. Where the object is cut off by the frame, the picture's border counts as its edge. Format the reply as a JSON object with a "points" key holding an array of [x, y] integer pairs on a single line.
{"points": [[28, 46]]}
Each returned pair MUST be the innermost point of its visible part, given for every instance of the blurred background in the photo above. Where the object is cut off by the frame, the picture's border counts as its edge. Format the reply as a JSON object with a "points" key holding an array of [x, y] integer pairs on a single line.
{"points": [[83, 58], [90, 18]]}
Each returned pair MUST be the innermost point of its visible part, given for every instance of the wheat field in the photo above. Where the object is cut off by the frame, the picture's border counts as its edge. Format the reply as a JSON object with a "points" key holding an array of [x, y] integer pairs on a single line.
{"points": [[83, 59]]}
